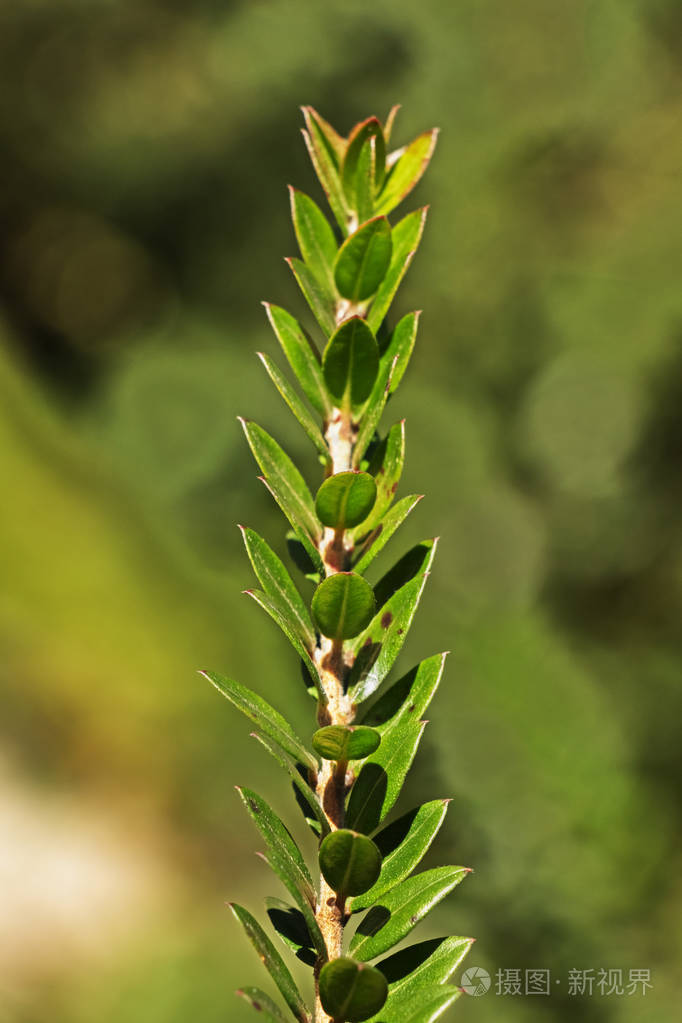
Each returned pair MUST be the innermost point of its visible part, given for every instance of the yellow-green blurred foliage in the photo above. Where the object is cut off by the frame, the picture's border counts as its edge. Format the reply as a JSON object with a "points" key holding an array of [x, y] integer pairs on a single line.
{"points": [[145, 151]]}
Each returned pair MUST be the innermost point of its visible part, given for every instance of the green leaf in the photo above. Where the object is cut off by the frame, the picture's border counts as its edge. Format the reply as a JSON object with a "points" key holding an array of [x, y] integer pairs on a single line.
{"points": [[301, 355], [273, 962], [357, 140], [420, 966], [324, 153], [363, 260], [407, 167], [373, 412], [408, 698], [309, 797], [402, 845], [377, 648], [400, 348], [281, 615], [315, 237], [401, 909], [365, 176], [287, 486], [283, 854], [351, 362], [278, 584], [390, 121], [416, 560], [345, 742], [386, 465], [335, 143], [406, 237], [319, 298], [377, 540], [351, 991], [345, 499], [291, 927], [296, 405], [270, 721], [262, 1003], [342, 606], [428, 1005], [349, 862], [381, 778]]}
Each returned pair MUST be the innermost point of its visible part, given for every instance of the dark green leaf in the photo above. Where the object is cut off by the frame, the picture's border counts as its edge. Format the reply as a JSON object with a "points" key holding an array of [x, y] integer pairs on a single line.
{"points": [[262, 1003], [315, 237], [406, 170], [264, 716], [283, 854], [296, 405], [345, 742], [406, 237], [282, 616], [319, 298], [363, 260], [420, 966], [377, 648], [381, 778], [365, 175], [302, 356], [278, 584], [402, 845], [323, 150], [345, 499], [293, 930], [401, 909], [351, 363], [360, 135], [351, 991], [400, 348], [342, 606], [415, 561], [409, 697], [273, 962], [386, 465], [309, 797], [378, 539], [350, 862], [373, 411]]}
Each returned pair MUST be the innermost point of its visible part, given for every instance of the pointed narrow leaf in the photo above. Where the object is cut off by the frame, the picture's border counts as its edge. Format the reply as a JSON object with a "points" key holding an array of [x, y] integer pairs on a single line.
{"points": [[373, 411], [378, 539], [301, 355], [292, 929], [278, 584], [400, 348], [296, 405], [351, 362], [415, 561], [363, 260], [325, 163], [351, 991], [335, 143], [345, 499], [421, 966], [427, 1006], [315, 237], [283, 853], [377, 648], [268, 1011], [386, 465], [406, 237], [285, 482], [309, 797], [281, 615], [319, 298], [270, 721], [349, 862], [408, 698], [381, 778], [365, 177], [401, 909], [360, 135], [272, 961], [402, 845], [342, 605], [406, 170], [345, 742], [390, 121]]}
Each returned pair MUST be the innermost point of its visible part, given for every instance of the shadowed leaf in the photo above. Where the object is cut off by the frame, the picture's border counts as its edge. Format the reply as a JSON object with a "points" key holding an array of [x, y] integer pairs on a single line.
{"points": [[386, 465], [273, 962], [381, 778], [309, 801], [378, 539], [291, 927], [409, 697]]}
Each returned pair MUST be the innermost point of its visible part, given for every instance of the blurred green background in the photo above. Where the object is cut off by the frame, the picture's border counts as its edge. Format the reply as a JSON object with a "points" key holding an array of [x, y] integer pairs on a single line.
{"points": [[146, 149]]}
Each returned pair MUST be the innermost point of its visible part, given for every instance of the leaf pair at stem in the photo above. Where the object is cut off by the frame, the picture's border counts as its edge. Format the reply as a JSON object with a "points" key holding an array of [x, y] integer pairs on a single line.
{"points": [[348, 632]]}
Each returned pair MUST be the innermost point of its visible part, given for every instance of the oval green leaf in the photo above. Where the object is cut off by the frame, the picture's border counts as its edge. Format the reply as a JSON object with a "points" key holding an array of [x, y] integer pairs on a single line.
{"points": [[351, 362], [345, 499], [346, 742], [351, 991], [343, 605], [350, 862], [363, 260], [357, 142]]}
